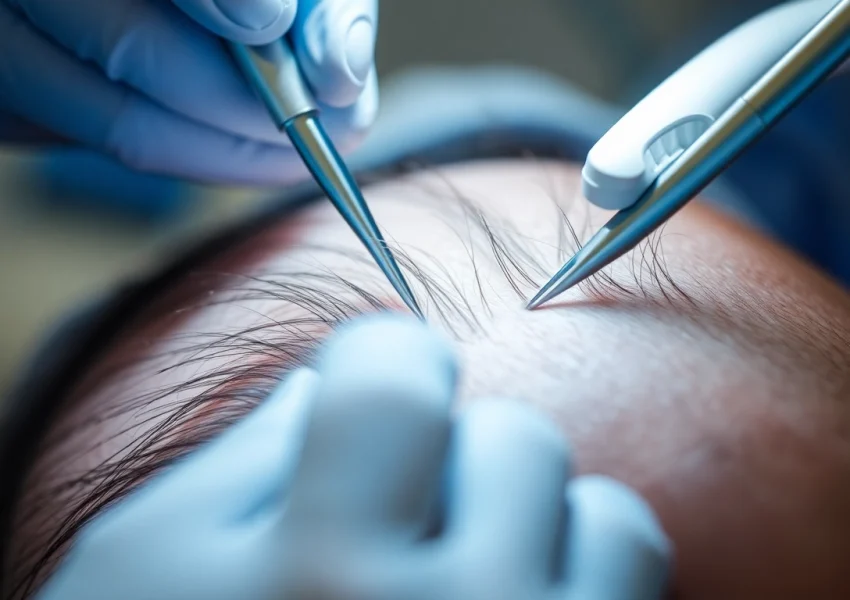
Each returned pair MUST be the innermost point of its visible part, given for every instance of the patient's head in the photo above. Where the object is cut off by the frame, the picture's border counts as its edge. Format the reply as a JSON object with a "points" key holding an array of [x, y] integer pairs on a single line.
{"points": [[710, 369]]}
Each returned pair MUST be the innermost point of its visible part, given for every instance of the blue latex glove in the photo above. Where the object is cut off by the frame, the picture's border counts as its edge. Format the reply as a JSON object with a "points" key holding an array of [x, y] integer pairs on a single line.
{"points": [[150, 82], [328, 489]]}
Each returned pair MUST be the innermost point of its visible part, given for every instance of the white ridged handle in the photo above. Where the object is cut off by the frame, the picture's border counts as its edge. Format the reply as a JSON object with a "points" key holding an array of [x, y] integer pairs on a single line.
{"points": [[625, 162]]}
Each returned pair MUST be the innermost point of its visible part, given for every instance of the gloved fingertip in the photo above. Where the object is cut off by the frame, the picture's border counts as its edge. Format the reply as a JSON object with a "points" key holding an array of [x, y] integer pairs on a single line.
{"points": [[256, 15], [624, 509], [336, 49], [616, 547], [285, 404], [297, 383], [360, 49], [254, 22], [394, 354]]}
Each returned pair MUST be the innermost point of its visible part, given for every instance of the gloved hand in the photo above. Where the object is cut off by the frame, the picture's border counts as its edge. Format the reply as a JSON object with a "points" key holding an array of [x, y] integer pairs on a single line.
{"points": [[378, 461], [150, 82]]}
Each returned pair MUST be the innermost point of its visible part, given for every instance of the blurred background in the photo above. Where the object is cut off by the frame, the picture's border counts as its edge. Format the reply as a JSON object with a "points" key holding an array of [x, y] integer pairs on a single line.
{"points": [[71, 225]]}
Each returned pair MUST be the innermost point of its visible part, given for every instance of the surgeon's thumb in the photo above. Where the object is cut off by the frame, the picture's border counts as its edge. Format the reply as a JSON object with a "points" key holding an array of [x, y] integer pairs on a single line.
{"points": [[335, 43], [379, 431], [253, 22]]}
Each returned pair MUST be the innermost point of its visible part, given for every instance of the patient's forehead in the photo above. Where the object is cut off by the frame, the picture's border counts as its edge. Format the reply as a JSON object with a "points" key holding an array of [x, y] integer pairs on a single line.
{"points": [[679, 374]]}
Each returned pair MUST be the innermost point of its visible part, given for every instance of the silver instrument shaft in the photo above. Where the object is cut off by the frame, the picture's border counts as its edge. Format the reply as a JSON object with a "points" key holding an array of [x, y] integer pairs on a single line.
{"points": [[274, 74], [799, 72]]}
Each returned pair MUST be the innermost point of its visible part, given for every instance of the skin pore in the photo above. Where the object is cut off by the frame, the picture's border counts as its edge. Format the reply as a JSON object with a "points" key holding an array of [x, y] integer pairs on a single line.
{"points": [[710, 369]]}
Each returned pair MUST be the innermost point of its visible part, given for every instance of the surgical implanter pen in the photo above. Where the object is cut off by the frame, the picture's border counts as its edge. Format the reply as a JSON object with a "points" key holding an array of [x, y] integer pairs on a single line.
{"points": [[274, 74], [821, 51]]}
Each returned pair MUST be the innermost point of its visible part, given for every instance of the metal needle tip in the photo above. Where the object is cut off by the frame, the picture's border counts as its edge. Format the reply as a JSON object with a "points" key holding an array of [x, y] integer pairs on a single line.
{"points": [[586, 262], [274, 74], [328, 169], [560, 283], [388, 265]]}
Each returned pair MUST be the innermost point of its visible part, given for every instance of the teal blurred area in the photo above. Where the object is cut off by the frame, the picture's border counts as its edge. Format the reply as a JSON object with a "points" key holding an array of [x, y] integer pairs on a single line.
{"points": [[69, 231]]}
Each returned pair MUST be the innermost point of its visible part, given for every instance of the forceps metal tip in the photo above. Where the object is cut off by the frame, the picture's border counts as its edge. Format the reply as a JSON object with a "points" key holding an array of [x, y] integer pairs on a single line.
{"points": [[749, 114], [590, 259], [273, 73], [328, 169]]}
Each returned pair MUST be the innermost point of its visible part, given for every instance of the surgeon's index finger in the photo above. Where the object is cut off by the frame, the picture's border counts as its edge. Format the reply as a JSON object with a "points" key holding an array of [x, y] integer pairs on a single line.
{"points": [[335, 44], [379, 428], [153, 48], [509, 470], [616, 549]]}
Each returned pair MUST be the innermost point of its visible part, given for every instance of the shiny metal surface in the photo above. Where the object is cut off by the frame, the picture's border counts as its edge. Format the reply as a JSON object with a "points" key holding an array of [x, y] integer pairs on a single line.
{"points": [[273, 72], [327, 167], [810, 61]]}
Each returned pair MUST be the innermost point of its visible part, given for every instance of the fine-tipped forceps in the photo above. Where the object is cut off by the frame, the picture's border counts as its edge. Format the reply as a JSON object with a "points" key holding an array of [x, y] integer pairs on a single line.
{"points": [[274, 74], [681, 136]]}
